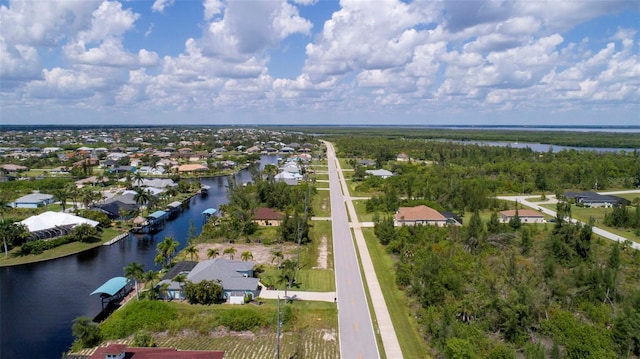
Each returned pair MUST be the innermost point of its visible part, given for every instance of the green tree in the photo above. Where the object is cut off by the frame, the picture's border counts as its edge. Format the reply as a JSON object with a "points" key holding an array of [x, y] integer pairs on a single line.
{"points": [[12, 233], [203, 292], [515, 222], [525, 240], [165, 250], [86, 332], [246, 255], [62, 194], [231, 251], [85, 233], [135, 271], [143, 339], [493, 225], [213, 252], [192, 252]]}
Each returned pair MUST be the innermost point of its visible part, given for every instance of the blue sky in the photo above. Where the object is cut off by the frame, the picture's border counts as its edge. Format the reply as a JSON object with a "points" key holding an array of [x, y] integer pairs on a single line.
{"points": [[506, 62]]}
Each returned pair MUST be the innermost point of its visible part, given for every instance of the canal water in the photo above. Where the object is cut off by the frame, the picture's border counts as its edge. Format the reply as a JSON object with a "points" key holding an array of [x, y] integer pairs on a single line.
{"points": [[39, 301]]}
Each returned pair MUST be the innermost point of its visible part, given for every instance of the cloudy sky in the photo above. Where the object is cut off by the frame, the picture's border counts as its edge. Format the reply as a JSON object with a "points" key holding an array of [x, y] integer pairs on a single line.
{"points": [[520, 62]]}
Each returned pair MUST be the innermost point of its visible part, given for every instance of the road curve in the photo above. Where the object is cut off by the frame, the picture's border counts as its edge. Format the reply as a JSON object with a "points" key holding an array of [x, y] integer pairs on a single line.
{"points": [[357, 338]]}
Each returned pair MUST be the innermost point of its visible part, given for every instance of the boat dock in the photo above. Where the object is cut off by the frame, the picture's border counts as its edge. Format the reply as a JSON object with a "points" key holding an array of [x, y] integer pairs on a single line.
{"points": [[116, 238]]}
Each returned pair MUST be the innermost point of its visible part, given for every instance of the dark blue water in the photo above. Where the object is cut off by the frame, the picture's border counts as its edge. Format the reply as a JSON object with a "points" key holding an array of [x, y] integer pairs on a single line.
{"points": [[39, 301]]}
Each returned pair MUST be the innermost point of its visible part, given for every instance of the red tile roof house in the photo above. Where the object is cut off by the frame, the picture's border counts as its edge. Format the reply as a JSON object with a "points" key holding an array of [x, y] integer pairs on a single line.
{"points": [[121, 351], [267, 216], [410, 216], [526, 216]]}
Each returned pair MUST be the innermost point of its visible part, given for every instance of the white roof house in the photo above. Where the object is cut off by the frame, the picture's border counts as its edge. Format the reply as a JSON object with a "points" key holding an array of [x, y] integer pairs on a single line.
{"points": [[380, 173], [51, 219]]}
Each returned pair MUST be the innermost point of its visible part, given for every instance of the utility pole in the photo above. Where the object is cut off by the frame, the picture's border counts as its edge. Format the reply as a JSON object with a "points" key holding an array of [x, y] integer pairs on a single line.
{"points": [[278, 331]]}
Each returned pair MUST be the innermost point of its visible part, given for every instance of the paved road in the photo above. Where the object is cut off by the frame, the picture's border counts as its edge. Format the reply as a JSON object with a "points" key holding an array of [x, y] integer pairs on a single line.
{"points": [[599, 231], [357, 339]]}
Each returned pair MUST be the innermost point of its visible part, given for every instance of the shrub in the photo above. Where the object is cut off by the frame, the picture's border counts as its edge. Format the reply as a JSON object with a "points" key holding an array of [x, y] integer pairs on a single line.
{"points": [[143, 339], [240, 319], [145, 314]]}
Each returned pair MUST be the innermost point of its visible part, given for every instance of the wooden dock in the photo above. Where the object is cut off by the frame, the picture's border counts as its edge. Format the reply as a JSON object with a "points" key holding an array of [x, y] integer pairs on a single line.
{"points": [[116, 238]]}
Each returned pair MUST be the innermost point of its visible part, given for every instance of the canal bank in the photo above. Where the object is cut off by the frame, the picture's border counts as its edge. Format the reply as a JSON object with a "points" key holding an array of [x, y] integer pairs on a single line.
{"points": [[39, 301]]}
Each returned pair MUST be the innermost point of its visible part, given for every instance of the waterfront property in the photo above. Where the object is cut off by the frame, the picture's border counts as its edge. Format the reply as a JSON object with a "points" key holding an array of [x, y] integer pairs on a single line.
{"points": [[526, 216], [113, 291], [50, 224], [236, 278], [267, 216], [409, 216]]}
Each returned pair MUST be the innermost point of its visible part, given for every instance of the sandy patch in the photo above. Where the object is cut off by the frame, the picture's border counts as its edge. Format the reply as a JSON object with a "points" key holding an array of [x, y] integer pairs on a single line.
{"points": [[261, 254], [322, 253]]}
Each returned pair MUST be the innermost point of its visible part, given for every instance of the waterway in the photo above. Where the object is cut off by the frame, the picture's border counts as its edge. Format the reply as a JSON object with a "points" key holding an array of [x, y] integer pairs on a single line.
{"points": [[39, 301], [538, 147]]}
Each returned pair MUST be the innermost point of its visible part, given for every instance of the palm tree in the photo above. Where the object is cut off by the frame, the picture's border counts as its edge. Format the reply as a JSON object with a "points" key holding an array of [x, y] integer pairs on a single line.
{"points": [[246, 255], [192, 252], [135, 271], [142, 196], [181, 279], [12, 232], [150, 277], [137, 178], [287, 274], [230, 251], [213, 252], [62, 194], [166, 249], [277, 255]]}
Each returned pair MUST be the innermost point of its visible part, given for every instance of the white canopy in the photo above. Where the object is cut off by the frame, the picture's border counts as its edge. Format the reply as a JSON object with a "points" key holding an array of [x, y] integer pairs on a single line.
{"points": [[50, 219]]}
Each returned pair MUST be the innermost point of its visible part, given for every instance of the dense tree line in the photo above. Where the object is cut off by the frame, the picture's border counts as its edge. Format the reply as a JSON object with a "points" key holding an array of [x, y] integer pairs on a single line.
{"points": [[480, 292], [237, 219]]}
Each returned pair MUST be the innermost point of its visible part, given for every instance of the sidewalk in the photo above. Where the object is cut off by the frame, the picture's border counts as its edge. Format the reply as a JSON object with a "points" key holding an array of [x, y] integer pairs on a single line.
{"points": [[297, 295]]}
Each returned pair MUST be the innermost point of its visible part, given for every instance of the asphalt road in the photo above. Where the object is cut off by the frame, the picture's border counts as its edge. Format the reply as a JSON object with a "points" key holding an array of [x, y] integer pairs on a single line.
{"points": [[357, 339], [599, 231]]}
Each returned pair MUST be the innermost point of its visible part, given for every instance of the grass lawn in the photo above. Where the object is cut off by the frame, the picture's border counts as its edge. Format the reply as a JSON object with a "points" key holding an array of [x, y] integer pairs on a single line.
{"points": [[398, 304], [321, 204], [321, 185], [629, 196], [363, 216], [344, 163], [322, 176], [321, 229], [15, 258]]}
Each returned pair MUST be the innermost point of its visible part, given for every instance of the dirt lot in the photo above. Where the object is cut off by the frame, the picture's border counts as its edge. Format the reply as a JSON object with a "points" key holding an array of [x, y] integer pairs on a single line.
{"points": [[261, 254]]}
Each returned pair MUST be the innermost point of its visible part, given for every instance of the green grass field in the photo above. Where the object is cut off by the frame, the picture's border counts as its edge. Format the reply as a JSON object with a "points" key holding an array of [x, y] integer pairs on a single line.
{"points": [[321, 204], [398, 304], [363, 216]]}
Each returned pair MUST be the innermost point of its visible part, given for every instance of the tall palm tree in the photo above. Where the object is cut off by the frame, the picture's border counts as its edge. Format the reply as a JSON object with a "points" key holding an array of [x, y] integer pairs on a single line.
{"points": [[213, 252], [62, 194], [246, 255], [137, 178], [277, 254], [150, 277], [135, 271], [142, 196], [230, 251], [166, 249], [12, 232], [192, 252]]}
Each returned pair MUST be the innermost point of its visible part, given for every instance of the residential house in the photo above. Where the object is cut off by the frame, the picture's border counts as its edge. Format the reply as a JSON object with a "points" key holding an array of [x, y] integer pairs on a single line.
{"points": [[402, 157], [11, 168], [54, 224], [191, 168], [291, 179], [593, 199], [409, 216], [33, 200], [382, 173], [526, 216], [236, 278], [267, 216]]}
